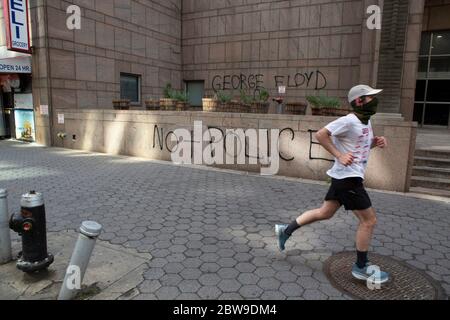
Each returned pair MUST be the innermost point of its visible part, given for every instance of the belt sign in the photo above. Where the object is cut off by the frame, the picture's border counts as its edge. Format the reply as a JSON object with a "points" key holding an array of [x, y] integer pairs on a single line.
{"points": [[17, 25]]}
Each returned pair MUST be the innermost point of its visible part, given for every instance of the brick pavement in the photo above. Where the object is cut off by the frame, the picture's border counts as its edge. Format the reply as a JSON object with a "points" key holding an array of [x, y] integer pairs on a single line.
{"points": [[211, 233]]}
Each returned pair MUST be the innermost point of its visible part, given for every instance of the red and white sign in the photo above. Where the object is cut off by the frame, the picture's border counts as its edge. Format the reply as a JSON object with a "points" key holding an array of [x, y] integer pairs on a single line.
{"points": [[17, 25]]}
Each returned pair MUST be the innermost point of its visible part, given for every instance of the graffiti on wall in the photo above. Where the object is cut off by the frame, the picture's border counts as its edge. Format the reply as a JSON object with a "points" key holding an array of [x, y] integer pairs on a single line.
{"points": [[313, 80], [162, 140]]}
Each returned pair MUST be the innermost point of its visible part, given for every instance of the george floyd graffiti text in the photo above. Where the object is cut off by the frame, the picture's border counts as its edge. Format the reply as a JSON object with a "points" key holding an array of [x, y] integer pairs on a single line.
{"points": [[313, 80]]}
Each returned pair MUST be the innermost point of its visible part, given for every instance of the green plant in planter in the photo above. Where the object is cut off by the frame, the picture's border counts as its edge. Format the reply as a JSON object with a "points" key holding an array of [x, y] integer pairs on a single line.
{"points": [[323, 105], [331, 103], [181, 96], [168, 92], [245, 98], [259, 103], [263, 95], [223, 97]]}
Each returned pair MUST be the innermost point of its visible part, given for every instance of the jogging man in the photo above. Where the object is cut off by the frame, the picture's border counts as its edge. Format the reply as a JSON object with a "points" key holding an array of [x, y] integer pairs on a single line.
{"points": [[349, 139]]}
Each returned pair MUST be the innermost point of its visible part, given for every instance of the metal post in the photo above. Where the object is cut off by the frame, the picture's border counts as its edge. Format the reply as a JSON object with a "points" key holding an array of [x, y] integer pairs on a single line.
{"points": [[5, 238], [89, 232]]}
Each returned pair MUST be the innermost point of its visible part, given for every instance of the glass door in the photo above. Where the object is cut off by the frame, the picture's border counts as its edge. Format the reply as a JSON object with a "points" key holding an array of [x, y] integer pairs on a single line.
{"points": [[432, 101]]}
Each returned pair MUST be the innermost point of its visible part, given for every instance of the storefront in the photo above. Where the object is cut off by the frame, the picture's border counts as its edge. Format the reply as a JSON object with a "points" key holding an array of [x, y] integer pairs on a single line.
{"points": [[16, 100]]}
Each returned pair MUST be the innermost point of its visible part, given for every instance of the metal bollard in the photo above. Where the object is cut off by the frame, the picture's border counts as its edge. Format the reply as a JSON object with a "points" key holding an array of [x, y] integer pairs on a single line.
{"points": [[5, 237], [89, 232]]}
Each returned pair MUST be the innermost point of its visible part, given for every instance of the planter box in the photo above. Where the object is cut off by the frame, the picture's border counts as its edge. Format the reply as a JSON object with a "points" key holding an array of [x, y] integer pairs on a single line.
{"points": [[152, 105], [244, 108], [335, 112], [259, 107], [121, 104], [182, 106], [316, 111], [168, 104], [210, 105], [221, 107], [296, 108], [237, 107]]}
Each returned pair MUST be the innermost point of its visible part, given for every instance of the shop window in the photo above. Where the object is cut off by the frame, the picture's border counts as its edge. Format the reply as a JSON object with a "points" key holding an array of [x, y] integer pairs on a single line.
{"points": [[432, 93], [420, 90], [440, 67], [441, 43], [418, 113], [438, 91], [423, 68], [439, 116], [425, 44]]}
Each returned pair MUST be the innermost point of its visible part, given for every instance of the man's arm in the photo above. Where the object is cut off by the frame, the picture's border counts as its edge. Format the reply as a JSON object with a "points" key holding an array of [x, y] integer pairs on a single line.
{"points": [[324, 138]]}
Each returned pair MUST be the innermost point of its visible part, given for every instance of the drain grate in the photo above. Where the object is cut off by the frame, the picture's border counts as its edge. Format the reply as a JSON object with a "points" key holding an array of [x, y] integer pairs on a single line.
{"points": [[406, 282]]}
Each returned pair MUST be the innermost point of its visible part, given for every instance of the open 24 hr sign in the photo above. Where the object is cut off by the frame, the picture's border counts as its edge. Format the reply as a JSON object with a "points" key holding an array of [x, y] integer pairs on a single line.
{"points": [[17, 25]]}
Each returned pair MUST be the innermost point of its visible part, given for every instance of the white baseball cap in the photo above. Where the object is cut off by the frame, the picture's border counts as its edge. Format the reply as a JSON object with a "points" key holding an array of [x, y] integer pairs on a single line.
{"points": [[361, 91]]}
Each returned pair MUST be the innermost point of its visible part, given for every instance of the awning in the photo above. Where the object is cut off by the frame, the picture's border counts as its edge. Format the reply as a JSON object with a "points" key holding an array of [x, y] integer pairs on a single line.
{"points": [[14, 62]]}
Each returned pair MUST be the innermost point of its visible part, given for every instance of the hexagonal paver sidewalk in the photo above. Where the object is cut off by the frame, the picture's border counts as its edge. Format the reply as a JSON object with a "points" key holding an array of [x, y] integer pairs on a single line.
{"points": [[210, 233]]}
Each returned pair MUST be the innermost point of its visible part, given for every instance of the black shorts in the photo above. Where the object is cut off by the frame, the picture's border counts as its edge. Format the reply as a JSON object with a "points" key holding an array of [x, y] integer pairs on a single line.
{"points": [[350, 193]]}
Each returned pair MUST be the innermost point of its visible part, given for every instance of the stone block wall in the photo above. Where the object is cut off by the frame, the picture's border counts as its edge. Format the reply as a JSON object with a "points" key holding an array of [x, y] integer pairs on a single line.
{"points": [[306, 45], [436, 15], [81, 68], [148, 134], [131, 36]]}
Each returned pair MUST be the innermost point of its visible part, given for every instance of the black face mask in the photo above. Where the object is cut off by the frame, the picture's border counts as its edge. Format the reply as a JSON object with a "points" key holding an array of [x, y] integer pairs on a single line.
{"points": [[366, 111]]}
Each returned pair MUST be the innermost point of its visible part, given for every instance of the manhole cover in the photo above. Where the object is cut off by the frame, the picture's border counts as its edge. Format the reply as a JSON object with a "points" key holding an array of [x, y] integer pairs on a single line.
{"points": [[406, 283]]}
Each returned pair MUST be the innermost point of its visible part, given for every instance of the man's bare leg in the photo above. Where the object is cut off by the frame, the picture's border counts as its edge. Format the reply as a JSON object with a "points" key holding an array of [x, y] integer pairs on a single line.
{"points": [[367, 222], [326, 212]]}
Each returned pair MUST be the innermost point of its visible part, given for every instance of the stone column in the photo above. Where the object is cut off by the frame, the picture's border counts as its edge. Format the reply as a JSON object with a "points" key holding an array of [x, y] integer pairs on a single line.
{"points": [[41, 87], [370, 44], [411, 57], [397, 70]]}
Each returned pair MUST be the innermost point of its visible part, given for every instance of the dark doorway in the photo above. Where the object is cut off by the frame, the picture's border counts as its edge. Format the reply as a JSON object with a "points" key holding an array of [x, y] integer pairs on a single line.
{"points": [[432, 102]]}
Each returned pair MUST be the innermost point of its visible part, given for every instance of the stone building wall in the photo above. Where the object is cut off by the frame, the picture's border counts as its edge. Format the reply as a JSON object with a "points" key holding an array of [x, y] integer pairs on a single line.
{"points": [[81, 68], [436, 15], [310, 46], [306, 45]]}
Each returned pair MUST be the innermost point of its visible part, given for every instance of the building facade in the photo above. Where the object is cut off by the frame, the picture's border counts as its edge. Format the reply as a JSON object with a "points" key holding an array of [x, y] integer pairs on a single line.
{"points": [[135, 47]]}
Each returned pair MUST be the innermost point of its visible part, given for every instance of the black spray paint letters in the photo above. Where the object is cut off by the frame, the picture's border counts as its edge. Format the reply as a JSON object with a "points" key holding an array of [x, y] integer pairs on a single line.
{"points": [[162, 140], [307, 80], [303, 80], [238, 82]]}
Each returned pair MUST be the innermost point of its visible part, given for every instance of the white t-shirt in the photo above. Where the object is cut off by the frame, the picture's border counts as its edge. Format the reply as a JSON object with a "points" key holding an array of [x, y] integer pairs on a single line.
{"points": [[349, 134]]}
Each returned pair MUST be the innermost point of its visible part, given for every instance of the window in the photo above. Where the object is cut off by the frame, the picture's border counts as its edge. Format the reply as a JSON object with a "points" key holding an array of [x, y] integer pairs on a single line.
{"points": [[432, 105], [130, 87], [195, 90]]}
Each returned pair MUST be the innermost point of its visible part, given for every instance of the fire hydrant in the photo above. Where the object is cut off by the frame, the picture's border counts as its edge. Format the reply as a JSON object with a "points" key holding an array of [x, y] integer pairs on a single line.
{"points": [[30, 223]]}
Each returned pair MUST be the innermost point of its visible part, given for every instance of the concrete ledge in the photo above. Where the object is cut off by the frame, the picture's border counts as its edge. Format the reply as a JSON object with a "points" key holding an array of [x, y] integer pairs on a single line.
{"points": [[146, 134]]}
